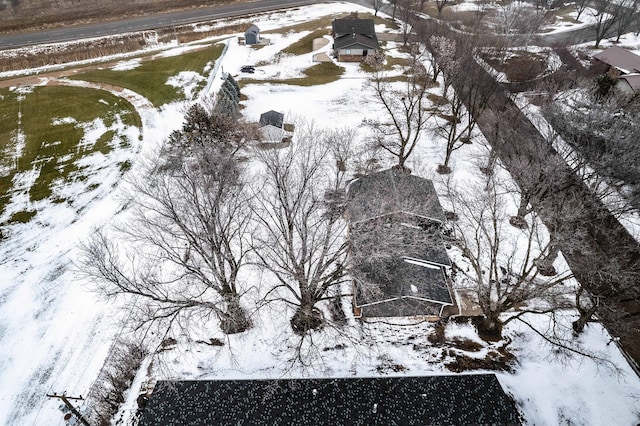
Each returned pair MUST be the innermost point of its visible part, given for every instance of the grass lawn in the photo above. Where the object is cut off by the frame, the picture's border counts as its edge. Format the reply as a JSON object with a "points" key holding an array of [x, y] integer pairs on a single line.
{"points": [[53, 150], [321, 73], [305, 44], [150, 78]]}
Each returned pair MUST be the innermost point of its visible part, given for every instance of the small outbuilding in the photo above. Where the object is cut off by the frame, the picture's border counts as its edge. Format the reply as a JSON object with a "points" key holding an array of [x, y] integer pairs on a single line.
{"points": [[252, 35], [275, 132], [272, 118], [466, 399]]}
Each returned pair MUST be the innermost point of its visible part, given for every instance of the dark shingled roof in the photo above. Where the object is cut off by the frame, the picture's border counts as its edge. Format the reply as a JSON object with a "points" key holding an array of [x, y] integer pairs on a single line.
{"points": [[273, 118], [392, 191], [353, 31], [355, 41], [350, 25], [388, 279], [399, 235], [434, 400]]}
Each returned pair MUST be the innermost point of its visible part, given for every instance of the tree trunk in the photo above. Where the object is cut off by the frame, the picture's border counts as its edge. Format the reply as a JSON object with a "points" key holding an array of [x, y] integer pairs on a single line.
{"points": [[491, 325], [585, 313], [306, 318], [234, 319]]}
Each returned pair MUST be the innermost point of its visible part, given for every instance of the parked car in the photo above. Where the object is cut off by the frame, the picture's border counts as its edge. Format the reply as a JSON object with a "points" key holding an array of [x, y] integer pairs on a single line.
{"points": [[248, 68]]}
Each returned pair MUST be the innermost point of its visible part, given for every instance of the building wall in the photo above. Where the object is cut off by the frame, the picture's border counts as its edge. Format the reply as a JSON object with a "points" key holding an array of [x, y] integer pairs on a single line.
{"points": [[354, 55], [251, 38]]}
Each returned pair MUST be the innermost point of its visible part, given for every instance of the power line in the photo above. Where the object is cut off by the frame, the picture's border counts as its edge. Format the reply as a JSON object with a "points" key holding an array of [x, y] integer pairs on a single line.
{"points": [[70, 406]]}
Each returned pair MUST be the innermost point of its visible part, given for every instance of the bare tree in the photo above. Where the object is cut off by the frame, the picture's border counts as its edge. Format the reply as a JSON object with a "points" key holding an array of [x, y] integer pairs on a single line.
{"points": [[301, 240], [456, 63], [440, 4], [404, 105], [597, 142], [519, 18], [580, 6], [408, 19], [605, 18], [182, 250], [377, 5], [503, 260], [626, 12]]}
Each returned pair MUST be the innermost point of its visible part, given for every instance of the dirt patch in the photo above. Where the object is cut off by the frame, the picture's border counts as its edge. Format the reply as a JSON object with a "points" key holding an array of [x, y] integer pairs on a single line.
{"points": [[520, 66], [495, 361], [465, 345]]}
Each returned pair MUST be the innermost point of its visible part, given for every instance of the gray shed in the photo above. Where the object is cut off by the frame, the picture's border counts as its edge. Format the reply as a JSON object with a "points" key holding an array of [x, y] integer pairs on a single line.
{"points": [[252, 35]]}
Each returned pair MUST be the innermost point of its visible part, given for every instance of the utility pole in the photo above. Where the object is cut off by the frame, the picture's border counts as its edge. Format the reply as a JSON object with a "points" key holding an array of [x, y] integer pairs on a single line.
{"points": [[70, 406]]}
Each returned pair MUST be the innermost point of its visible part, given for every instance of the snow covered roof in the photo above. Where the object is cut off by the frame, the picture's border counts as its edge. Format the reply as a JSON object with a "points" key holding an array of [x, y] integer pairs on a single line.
{"points": [[431, 400], [392, 191], [622, 59]]}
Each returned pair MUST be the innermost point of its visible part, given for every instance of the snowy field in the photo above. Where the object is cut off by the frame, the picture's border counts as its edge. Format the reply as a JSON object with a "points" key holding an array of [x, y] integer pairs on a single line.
{"points": [[55, 333]]}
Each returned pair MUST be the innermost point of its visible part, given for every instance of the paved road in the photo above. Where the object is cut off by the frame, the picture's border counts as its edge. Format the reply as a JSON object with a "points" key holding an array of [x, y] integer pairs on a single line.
{"points": [[145, 23]]}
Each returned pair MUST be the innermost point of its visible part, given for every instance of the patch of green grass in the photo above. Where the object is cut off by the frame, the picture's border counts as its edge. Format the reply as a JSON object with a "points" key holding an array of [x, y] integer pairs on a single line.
{"points": [[53, 150], [150, 78], [321, 73], [305, 44], [22, 217], [125, 166]]}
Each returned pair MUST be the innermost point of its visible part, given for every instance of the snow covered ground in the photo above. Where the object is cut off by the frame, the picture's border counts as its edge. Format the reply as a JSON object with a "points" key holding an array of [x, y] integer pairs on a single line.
{"points": [[55, 333]]}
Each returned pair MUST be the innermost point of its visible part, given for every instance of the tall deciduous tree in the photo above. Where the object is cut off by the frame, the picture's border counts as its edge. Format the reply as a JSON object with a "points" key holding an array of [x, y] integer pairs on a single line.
{"points": [[301, 239], [404, 107], [503, 260], [182, 248]]}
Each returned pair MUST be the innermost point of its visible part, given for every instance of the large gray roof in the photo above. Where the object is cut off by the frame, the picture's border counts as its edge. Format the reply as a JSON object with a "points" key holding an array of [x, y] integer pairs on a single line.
{"points": [[433, 400], [355, 41], [351, 25], [389, 279], [620, 58], [352, 32], [392, 191]]}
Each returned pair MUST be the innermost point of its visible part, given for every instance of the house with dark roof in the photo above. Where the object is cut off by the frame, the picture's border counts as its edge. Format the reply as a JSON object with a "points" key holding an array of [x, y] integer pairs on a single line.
{"points": [[252, 35], [354, 39], [624, 65], [476, 399], [398, 259]]}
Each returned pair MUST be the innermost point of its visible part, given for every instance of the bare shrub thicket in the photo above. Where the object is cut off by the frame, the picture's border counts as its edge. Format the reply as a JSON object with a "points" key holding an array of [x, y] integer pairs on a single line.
{"points": [[108, 391]]}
